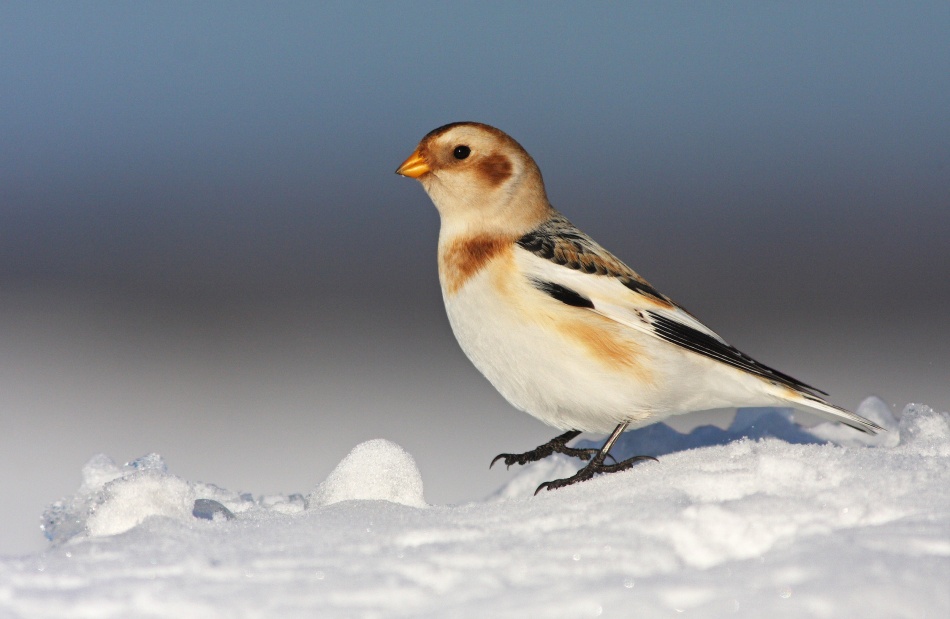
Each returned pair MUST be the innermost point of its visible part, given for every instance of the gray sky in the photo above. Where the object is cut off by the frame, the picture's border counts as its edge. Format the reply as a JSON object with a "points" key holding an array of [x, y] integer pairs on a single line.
{"points": [[203, 244]]}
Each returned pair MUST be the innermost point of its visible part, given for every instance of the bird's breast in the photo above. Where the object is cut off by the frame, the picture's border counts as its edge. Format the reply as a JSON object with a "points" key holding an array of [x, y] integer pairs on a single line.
{"points": [[461, 259], [566, 365]]}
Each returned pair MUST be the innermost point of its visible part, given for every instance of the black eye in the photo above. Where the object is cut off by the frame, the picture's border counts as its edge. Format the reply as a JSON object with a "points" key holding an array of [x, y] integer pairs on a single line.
{"points": [[461, 152]]}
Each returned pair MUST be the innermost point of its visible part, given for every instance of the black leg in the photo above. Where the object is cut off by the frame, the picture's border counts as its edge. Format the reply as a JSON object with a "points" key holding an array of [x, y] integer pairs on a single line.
{"points": [[557, 444], [596, 465]]}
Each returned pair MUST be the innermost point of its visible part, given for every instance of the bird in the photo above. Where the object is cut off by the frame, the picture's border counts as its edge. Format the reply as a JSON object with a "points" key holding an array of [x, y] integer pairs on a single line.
{"points": [[562, 328]]}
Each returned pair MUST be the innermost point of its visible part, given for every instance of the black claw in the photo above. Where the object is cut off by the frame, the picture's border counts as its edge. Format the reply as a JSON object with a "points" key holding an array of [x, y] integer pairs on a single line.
{"points": [[509, 459], [595, 467], [544, 485], [582, 475], [557, 444], [626, 464], [594, 457]]}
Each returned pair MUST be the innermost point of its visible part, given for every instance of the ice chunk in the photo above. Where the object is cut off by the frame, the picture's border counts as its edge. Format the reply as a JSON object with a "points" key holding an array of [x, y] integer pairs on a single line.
{"points": [[113, 499], [142, 488], [128, 501], [149, 462], [98, 471], [374, 470], [67, 517]]}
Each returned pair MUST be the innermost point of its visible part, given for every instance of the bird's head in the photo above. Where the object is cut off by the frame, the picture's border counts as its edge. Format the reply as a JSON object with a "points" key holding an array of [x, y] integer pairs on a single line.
{"points": [[479, 178]]}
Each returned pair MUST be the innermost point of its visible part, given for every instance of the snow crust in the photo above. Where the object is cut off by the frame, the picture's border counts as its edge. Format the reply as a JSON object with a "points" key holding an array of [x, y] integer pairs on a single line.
{"points": [[763, 519]]}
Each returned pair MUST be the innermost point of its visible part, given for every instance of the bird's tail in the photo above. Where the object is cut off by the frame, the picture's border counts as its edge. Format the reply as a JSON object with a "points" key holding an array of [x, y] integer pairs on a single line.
{"points": [[813, 404]]}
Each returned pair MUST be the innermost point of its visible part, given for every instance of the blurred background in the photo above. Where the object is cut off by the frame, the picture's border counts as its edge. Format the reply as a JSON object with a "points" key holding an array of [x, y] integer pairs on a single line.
{"points": [[204, 251]]}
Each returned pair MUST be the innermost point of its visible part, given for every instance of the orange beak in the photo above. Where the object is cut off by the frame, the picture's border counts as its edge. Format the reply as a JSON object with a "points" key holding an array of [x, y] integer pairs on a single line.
{"points": [[413, 167]]}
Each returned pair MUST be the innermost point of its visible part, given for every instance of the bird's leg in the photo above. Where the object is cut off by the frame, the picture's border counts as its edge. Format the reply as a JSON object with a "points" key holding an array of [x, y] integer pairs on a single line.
{"points": [[557, 444], [596, 465]]}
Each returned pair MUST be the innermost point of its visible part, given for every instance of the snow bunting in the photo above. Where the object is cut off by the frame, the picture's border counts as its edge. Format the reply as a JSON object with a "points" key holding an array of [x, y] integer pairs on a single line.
{"points": [[562, 328]]}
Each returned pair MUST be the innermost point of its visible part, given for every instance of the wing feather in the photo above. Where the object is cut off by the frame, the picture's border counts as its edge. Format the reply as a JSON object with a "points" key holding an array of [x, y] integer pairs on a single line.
{"points": [[568, 265]]}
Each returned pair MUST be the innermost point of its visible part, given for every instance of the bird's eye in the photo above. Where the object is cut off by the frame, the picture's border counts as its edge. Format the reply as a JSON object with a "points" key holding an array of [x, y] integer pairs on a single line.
{"points": [[461, 152]]}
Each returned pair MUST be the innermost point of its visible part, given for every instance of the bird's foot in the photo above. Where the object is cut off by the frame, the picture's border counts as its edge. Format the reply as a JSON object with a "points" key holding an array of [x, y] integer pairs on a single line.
{"points": [[557, 444], [594, 467]]}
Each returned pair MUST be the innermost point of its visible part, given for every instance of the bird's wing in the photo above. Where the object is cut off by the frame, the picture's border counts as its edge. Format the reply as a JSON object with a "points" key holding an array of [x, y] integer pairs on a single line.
{"points": [[566, 264]]}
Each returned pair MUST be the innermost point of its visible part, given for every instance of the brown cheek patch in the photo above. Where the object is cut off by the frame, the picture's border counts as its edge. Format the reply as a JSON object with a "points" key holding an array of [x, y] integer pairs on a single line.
{"points": [[465, 257], [494, 169]]}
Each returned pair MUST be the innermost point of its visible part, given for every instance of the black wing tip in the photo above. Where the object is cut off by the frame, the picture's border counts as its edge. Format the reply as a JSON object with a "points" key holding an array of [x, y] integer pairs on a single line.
{"points": [[847, 417], [864, 425], [706, 345]]}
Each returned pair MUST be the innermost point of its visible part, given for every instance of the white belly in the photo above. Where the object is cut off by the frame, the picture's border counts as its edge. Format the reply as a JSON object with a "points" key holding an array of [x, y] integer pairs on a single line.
{"points": [[508, 330]]}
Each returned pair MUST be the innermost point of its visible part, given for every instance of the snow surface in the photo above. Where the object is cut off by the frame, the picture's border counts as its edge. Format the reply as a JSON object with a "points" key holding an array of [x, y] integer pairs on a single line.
{"points": [[765, 519]]}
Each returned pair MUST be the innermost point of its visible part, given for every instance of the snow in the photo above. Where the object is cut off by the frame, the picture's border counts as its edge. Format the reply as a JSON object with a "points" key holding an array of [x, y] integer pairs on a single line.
{"points": [[765, 518]]}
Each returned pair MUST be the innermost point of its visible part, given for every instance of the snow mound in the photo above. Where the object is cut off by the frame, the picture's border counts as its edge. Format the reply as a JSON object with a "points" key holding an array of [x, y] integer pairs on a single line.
{"points": [[377, 470], [114, 499]]}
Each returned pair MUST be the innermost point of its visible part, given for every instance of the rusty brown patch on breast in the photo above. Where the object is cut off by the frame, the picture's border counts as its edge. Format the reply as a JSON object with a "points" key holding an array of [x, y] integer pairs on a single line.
{"points": [[463, 258], [495, 169]]}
